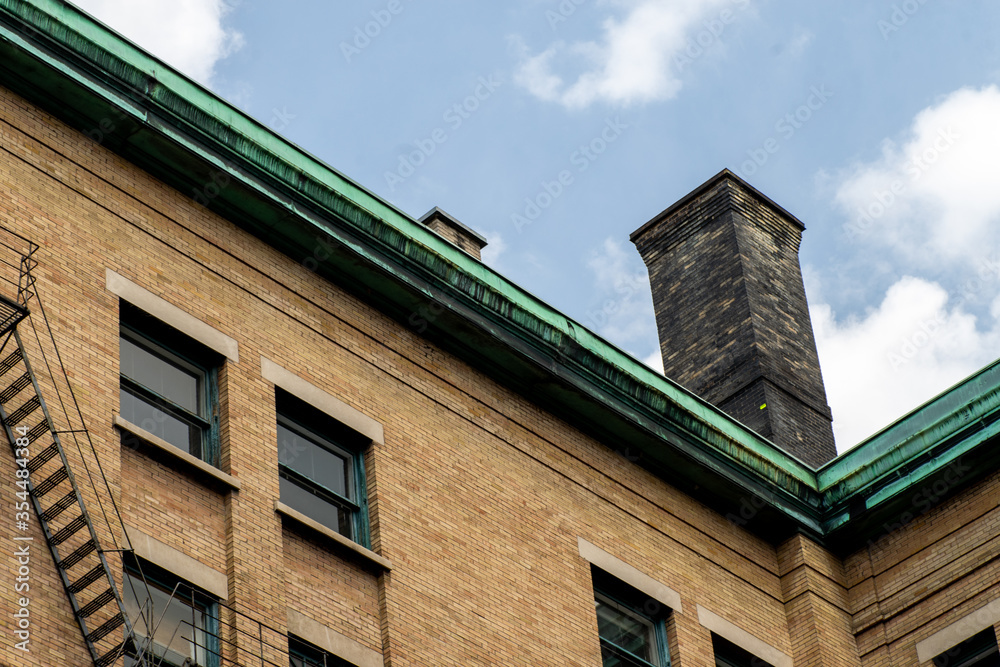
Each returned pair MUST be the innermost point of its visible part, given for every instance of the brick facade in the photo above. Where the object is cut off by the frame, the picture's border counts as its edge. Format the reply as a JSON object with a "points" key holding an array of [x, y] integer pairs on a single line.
{"points": [[480, 495], [477, 496]]}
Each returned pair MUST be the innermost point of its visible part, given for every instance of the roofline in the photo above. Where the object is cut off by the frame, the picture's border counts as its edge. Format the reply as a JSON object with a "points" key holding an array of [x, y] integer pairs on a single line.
{"points": [[183, 134]]}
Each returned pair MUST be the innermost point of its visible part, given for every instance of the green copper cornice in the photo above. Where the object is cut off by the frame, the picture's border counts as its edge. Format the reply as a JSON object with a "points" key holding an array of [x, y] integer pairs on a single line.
{"points": [[98, 82]]}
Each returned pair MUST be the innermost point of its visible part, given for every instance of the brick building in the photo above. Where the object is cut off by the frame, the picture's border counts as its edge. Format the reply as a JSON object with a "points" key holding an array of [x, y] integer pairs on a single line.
{"points": [[264, 418]]}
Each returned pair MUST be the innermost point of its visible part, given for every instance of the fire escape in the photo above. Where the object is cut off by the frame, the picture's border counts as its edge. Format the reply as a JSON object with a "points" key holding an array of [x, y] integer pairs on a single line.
{"points": [[49, 444], [54, 491]]}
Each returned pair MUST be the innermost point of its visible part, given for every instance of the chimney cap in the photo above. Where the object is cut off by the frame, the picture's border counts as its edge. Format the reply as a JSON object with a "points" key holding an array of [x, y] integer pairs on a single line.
{"points": [[723, 175], [450, 220]]}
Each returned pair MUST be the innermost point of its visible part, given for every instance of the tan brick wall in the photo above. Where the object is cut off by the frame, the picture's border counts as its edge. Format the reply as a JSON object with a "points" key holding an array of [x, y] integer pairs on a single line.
{"points": [[919, 578], [817, 605], [476, 497]]}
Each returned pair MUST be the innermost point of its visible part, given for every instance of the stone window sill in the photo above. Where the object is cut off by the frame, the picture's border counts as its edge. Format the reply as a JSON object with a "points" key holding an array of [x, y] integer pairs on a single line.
{"points": [[366, 555], [171, 452]]}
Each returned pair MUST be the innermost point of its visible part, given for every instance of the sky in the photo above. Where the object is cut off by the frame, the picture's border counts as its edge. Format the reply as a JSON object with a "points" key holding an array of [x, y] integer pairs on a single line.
{"points": [[555, 128]]}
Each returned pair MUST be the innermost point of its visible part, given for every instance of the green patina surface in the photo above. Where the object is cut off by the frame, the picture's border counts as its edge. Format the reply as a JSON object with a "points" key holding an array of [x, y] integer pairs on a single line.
{"points": [[85, 73]]}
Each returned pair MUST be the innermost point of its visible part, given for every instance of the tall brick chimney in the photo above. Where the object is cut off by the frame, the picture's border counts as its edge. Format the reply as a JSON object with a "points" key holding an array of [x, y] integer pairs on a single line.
{"points": [[731, 312]]}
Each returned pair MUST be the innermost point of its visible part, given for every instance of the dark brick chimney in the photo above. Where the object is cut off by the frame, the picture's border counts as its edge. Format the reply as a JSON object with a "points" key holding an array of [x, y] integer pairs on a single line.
{"points": [[731, 312]]}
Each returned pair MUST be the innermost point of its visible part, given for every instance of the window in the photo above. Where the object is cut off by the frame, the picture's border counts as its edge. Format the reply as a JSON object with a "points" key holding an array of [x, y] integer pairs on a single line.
{"points": [[173, 622], [304, 654], [980, 650], [630, 625], [168, 384], [321, 468], [728, 654]]}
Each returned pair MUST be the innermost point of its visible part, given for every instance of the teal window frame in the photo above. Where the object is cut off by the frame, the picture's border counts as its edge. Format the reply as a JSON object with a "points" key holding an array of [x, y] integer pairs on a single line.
{"points": [[640, 606], [178, 350], [325, 432], [979, 650], [135, 573]]}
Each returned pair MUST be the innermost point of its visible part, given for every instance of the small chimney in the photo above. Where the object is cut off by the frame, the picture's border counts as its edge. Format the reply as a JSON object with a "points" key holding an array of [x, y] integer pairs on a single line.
{"points": [[455, 232], [732, 316]]}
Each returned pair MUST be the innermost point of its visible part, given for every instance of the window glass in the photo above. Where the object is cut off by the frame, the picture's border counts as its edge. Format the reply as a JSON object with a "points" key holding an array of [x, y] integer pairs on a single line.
{"points": [[168, 384], [321, 467], [631, 627], [978, 651], [314, 461], [316, 507], [728, 654], [151, 417], [304, 654], [163, 377], [625, 629], [172, 625]]}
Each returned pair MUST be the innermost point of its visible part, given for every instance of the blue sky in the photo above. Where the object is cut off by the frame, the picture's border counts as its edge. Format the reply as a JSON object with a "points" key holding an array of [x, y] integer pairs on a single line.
{"points": [[875, 123]]}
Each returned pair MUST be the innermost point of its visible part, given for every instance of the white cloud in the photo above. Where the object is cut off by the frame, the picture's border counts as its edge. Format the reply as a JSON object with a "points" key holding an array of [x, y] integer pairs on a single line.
{"points": [[622, 307], [655, 361], [187, 34], [900, 354], [495, 248], [637, 57], [933, 197]]}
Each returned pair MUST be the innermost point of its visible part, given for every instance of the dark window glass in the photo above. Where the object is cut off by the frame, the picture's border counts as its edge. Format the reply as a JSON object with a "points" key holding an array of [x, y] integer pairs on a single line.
{"points": [[624, 629], [612, 656], [304, 654], [171, 623], [316, 507], [979, 651], [316, 461], [728, 654], [157, 374], [321, 467], [158, 420], [631, 626], [167, 384]]}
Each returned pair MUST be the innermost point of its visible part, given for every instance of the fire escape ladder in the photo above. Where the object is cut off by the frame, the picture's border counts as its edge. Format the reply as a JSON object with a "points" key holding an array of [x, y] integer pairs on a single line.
{"points": [[43, 475], [53, 491]]}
